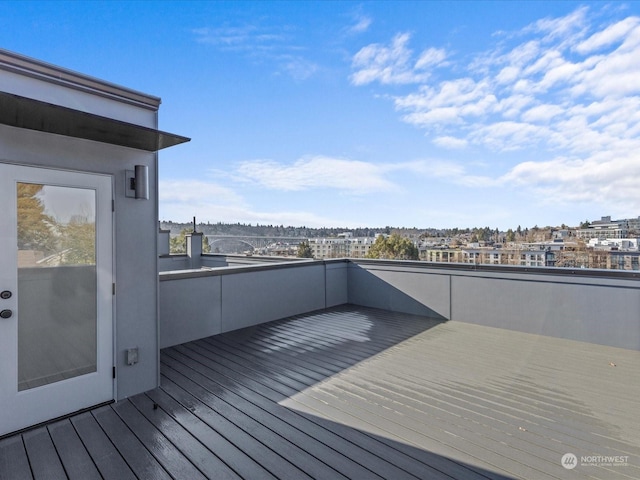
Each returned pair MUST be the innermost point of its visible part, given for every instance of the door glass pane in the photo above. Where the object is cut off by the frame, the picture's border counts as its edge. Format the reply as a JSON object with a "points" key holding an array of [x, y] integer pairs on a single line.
{"points": [[57, 310]]}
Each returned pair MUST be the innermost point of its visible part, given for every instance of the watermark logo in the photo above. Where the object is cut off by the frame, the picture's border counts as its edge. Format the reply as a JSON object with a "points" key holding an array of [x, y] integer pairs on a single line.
{"points": [[569, 461]]}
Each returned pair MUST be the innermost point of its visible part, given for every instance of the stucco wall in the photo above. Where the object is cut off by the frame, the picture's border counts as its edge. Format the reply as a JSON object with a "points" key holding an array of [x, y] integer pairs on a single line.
{"points": [[196, 304], [595, 307], [590, 306], [400, 288], [602, 311]]}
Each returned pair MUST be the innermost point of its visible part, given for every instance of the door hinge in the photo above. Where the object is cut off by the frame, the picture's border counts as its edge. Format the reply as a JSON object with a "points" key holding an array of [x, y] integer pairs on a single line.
{"points": [[114, 372], [113, 205], [113, 288]]}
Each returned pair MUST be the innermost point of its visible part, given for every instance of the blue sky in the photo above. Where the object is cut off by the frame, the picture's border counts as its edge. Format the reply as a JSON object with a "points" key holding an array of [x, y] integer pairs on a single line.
{"points": [[345, 114]]}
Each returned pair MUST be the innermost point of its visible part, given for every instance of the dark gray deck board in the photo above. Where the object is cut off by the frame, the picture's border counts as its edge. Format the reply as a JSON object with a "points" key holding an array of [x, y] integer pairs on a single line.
{"points": [[309, 455], [266, 392], [43, 458], [76, 460], [108, 460], [133, 451], [233, 456], [204, 390], [352, 392], [269, 458], [352, 442], [170, 457], [199, 455], [14, 463], [486, 444], [263, 398]]}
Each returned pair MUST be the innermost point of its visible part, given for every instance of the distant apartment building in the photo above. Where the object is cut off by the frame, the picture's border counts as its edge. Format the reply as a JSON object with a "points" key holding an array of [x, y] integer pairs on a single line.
{"points": [[599, 248], [630, 244], [342, 246], [445, 255], [605, 228], [623, 260], [634, 226], [508, 256], [538, 254], [614, 253]]}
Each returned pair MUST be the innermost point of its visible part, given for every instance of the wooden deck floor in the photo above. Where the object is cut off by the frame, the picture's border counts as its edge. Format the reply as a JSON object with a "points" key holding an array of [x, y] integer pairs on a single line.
{"points": [[357, 393]]}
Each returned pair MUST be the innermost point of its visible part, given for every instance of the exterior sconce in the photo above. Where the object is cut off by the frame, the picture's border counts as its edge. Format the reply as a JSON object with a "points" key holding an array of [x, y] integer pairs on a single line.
{"points": [[137, 182]]}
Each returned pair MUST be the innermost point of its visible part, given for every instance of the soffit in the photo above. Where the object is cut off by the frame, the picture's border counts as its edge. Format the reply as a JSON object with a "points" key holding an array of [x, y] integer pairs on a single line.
{"points": [[23, 112]]}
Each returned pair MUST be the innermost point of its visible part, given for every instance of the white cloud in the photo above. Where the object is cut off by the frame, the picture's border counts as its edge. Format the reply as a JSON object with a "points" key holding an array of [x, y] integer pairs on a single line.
{"points": [[509, 136], [192, 191], [545, 61], [263, 44], [355, 177], [610, 35], [567, 179], [562, 29], [298, 67], [244, 37], [362, 24], [522, 54], [435, 116], [562, 92], [542, 113], [449, 103], [180, 200], [349, 176], [431, 57], [508, 75], [442, 169], [449, 142], [393, 64], [196, 197], [453, 172], [511, 106]]}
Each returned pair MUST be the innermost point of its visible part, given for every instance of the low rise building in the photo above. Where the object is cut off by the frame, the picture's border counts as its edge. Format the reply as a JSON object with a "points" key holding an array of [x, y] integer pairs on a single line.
{"points": [[605, 228], [614, 244], [343, 246], [623, 260]]}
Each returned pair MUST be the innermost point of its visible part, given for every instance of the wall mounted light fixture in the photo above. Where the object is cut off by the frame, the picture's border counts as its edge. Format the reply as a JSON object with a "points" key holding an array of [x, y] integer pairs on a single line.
{"points": [[137, 182]]}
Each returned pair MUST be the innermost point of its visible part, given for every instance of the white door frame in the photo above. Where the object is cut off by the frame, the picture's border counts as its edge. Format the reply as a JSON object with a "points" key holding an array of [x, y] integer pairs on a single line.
{"points": [[21, 409]]}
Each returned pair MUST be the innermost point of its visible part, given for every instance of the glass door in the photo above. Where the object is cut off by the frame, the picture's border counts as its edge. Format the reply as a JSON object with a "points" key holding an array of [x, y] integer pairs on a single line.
{"points": [[55, 294]]}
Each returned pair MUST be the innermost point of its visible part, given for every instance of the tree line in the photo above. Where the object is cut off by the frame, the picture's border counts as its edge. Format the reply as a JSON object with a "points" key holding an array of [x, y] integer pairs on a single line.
{"points": [[258, 230]]}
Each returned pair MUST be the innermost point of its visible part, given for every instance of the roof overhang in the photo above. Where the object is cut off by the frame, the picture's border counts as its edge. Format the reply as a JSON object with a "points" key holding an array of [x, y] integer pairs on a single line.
{"points": [[23, 112]]}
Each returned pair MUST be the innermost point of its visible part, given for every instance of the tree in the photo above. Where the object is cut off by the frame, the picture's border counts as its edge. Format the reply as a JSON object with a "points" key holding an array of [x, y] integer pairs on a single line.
{"points": [[393, 247], [511, 236], [178, 244], [304, 250], [36, 230], [78, 242]]}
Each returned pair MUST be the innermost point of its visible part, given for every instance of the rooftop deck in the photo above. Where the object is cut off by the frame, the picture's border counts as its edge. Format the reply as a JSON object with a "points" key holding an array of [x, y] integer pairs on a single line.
{"points": [[353, 392]]}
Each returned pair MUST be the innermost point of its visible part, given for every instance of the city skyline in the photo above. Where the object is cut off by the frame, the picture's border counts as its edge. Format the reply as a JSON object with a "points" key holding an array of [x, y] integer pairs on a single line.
{"points": [[410, 114]]}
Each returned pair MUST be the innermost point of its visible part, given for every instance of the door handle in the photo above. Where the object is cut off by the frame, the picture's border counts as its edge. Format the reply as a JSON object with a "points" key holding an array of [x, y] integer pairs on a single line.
{"points": [[6, 313]]}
